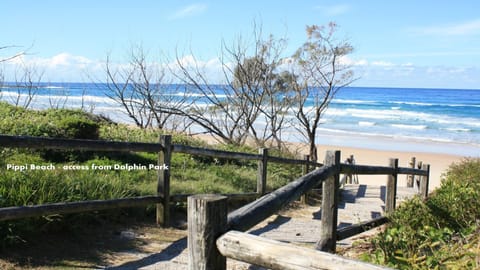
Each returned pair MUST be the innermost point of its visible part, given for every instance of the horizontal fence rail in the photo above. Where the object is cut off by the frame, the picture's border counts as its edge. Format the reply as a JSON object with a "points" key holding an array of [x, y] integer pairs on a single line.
{"points": [[240, 219], [251, 214], [17, 212], [274, 254], [379, 170], [76, 144]]}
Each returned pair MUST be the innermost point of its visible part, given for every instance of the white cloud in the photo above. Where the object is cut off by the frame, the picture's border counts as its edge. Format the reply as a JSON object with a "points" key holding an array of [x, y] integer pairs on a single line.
{"points": [[334, 10], [345, 60], [460, 29], [60, 67], [188, 11], [382, 64]]}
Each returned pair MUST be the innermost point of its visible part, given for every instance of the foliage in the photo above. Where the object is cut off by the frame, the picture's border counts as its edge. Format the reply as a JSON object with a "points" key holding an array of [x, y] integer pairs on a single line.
{"points": [[440, 233], [53, 123], [457, 202], [189, 173], [320, 73]]}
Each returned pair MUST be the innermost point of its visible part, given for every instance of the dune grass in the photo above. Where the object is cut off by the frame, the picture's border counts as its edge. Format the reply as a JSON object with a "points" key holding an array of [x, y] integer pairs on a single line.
{"points": [[189, 173]]}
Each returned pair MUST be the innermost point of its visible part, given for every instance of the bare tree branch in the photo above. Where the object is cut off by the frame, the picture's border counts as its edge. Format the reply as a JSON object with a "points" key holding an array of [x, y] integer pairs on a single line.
{"points": [[321, 74]]}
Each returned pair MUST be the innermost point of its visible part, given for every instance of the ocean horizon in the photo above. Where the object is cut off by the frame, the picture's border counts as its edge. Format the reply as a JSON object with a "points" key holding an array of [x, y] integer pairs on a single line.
{"points": [[403, 119]]}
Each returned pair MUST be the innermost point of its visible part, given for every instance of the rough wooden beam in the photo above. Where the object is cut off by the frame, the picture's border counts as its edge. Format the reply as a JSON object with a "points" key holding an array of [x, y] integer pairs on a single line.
{"points": [[207, 220], [276, 255], [330, 192], [75, 144], [18, 212], [251, 214]]}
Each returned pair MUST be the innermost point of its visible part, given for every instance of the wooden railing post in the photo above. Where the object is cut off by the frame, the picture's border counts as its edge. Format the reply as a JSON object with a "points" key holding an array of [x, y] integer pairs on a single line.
{"points": [[262, 172], [424, 181], [163, 185], [305, 170], [349, 179], [207, 220], [411, 177], [330, 190], [417, 179], [391, 196]]}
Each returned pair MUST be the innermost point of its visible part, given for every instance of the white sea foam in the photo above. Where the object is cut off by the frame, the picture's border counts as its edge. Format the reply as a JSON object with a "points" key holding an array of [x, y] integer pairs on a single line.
{"points": [[366, 124], [353, 101], [403, 126]]}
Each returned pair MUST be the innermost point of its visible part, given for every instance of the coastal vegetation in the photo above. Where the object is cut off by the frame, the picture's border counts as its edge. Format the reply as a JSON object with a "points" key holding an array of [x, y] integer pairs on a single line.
{"points": [[189, 173], [442, 232]]}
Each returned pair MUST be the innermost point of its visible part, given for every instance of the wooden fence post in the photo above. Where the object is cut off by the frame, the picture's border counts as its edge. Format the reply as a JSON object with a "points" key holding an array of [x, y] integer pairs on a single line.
{"points": [[391, 196], [330, 190], [417, 179], [424, 181], [262, 172], [163, 185], [207, 220], [411, 177], [349, 179], [305, 170]]}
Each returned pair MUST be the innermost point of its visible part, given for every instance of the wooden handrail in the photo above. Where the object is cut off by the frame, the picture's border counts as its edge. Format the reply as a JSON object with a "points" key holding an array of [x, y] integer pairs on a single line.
{"points": [[249, 215], [17, 212], [76, 144], [277, 255]]}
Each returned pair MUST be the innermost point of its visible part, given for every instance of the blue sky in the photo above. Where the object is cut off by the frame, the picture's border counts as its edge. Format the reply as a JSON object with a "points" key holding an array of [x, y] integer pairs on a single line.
{"points": [[397, 44]]}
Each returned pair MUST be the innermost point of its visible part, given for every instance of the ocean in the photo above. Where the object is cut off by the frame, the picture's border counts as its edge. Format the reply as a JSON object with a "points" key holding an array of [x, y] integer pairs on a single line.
{"points": [[425, 120]]}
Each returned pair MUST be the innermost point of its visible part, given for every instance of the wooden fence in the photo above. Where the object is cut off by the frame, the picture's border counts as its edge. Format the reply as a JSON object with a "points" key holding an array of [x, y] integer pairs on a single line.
{"points": [[214, 235], [163, 199]]}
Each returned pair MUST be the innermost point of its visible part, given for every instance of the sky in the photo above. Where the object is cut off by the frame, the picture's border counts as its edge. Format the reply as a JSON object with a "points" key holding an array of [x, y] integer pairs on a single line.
{"points": [[419, 44]]}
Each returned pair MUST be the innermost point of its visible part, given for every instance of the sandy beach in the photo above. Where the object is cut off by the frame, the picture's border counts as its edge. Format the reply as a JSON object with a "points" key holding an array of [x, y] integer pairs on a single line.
{"points": [[439, 163], [369, 155]]}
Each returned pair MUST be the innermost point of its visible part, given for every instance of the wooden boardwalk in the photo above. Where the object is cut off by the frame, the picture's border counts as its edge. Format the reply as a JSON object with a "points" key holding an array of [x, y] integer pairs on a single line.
{"points": [[358, 203], [299, 224]]}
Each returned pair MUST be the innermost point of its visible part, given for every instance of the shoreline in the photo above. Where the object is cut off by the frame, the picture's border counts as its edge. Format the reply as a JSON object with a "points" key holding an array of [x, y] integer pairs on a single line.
{"points": [[366, 154]]}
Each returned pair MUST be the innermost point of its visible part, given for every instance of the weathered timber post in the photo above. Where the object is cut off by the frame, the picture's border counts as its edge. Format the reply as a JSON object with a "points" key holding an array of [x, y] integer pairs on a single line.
{"points": [[207, 220], [163, 185], [262, 172], [330, 190], [411, 177], [305, 170], [417, 178], [424, 181], [349, 176], [391, 196]]}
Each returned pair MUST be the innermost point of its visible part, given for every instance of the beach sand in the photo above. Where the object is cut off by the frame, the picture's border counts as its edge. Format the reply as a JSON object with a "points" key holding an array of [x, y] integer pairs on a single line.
{"points": [[439, 162]]}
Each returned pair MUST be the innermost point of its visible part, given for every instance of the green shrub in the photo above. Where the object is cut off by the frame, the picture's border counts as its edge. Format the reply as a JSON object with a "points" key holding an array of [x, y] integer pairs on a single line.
{"points": [[457, 202], [53, 123], [440, 233]]}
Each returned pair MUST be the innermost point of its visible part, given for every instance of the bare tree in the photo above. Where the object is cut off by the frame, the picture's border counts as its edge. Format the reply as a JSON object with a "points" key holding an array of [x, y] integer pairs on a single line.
{"points": [[27, 82], [249, 94], [8, 58], [321, 72], [141, 88], [218, 108]]}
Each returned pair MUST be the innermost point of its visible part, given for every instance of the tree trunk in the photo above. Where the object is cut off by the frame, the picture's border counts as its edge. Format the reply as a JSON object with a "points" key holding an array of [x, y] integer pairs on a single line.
{"points": [[312, 147]]}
